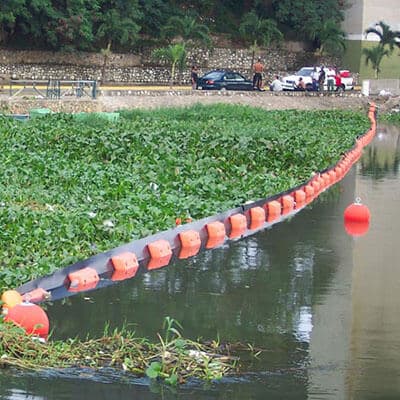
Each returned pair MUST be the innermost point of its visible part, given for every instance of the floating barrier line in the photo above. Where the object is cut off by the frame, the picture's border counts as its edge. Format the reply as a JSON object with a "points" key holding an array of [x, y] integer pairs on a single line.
{"points": [[184, 241]]}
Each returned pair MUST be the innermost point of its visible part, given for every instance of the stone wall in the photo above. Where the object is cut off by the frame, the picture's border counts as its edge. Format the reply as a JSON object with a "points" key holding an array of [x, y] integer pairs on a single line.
{"points": [[140, 68]]}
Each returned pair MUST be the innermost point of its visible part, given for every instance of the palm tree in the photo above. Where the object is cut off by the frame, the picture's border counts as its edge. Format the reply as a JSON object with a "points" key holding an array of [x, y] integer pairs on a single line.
{"points": [[188, 30], [374, 55], [174, 55], [259, 32], [330, 38], [387, 37]]}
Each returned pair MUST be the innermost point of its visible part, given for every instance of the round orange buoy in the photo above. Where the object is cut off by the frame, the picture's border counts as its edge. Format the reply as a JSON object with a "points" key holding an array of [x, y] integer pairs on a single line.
{"points": [[11, 298], [357, 212], [356, 218], [31, 317]]}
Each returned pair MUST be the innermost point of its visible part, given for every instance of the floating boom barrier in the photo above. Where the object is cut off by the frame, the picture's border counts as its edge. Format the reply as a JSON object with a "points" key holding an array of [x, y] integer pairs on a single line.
{"points": [[187, 240]]}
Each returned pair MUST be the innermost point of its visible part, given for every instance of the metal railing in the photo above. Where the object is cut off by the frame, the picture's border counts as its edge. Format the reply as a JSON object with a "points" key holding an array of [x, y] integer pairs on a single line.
{"points": [[53, 88]]}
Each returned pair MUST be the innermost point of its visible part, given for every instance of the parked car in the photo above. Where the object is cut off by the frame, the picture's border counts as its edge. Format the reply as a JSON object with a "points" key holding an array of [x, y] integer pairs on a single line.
{"points": [[222, 79], [290, 82]]}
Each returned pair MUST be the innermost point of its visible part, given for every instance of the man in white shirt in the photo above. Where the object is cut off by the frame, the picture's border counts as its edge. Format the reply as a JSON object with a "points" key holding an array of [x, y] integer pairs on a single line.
{"points": [[276, 85]]}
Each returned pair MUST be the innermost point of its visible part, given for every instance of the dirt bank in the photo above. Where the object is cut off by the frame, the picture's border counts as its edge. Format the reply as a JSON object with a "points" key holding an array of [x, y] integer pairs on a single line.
{"points": [[151, 99]]}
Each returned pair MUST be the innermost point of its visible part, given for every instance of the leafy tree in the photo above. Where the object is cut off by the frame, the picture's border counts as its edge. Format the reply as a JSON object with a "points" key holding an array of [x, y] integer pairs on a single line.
{"points": [[374, 57], [302, 17], [387, 37], [329, 38], [155, 14], [174, 55], [74, 26], [188, 30], [36, 21], [9, 11], [117, 22], [259, 32]]}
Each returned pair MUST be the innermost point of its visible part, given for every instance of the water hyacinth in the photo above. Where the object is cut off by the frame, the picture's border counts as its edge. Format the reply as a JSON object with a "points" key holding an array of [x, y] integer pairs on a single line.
{"points": [[75, 188]]}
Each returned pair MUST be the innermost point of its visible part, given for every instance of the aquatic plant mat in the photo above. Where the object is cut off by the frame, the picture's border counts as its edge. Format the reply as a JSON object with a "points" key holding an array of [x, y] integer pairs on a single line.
{"points": [[392, 118], [73, 188], [173, 359]]}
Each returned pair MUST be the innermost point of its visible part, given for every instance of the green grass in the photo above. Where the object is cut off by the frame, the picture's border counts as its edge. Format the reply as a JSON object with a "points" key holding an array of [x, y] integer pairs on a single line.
{"points": [[73, 189], [354, 59]]}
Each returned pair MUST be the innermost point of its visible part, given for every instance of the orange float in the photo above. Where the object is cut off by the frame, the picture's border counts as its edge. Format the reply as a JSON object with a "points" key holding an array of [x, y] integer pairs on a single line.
{"points": [[257, 217], [273, 210], [83, 279], [356, 218], [125, 266], [216, 234], [238, 225], [31, 317], [11, 298], [190, 243], [160, 254]]}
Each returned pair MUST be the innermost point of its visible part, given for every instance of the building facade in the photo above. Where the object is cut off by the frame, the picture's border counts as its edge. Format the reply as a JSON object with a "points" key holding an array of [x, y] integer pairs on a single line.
{"points": [[361, 15]]}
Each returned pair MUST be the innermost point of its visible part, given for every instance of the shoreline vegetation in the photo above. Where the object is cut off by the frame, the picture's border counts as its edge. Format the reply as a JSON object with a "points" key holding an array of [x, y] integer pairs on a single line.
{"points": [[77, 187], [173, 359], [392, 118]]}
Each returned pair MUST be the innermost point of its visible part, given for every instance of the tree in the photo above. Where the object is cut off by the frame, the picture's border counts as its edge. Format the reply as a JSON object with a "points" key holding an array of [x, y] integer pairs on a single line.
{"points": [[374, 57], [258, 32], [155, 14], [387, 37], [9, 11], [174, 55], [188, 30], [329, 38], [117, 22], [302, 16]]}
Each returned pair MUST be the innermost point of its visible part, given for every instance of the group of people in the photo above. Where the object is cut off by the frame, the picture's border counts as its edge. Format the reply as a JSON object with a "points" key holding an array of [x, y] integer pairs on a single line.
{"points": [[332, 78]]}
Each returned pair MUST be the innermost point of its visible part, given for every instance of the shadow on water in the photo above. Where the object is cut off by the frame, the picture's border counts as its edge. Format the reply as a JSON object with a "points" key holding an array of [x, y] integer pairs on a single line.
{"points": [[303, 290]]}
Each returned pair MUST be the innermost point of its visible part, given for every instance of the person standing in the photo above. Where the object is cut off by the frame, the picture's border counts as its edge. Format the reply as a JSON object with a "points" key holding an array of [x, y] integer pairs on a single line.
{"points": [[258, 69], [338, 81], [321, 79], [315, 78], [330, 80], [194, 77]]}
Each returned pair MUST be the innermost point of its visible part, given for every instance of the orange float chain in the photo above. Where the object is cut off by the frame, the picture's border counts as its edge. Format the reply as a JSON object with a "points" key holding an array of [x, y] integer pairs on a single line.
{"points": [[186, 240]]}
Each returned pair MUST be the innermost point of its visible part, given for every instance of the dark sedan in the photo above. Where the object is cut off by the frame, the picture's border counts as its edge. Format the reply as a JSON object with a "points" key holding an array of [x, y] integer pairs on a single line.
{"points": [[224, 80]]}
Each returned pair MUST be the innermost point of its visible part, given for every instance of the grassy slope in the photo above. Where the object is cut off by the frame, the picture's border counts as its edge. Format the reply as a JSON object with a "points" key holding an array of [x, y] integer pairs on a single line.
{"points": [[73, 189], [354, 60]]}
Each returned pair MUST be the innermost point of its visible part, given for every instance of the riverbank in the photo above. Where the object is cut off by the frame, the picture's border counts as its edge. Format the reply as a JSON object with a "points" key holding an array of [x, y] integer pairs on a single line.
{"points": [[150, 99], [115, 100]]}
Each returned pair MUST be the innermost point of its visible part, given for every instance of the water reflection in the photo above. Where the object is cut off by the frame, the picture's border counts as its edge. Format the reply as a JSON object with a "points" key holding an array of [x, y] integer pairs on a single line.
{"points": [[382, 159], [322, 304]]}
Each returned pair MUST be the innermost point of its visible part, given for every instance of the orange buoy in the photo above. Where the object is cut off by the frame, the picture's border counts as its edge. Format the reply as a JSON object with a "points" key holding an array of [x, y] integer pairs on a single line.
{"points": [[357, 212], [11, 298], [356, 218], [31, 317]]}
